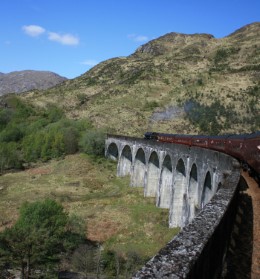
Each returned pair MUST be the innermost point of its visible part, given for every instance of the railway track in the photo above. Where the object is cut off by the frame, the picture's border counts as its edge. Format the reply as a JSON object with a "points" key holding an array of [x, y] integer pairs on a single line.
{"points": [[243, 255], [253, 191]]}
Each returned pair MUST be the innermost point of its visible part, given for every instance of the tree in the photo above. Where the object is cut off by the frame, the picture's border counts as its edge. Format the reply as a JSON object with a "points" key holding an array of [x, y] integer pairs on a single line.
{"points": [[133, 262], [86, 259], [38, 237], [5, 117], [71, 135], [93, 142], [9, 156]]}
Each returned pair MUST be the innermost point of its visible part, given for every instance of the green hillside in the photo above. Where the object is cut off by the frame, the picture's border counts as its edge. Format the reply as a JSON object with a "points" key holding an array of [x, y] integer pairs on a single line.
{"points": [[177, 83]]}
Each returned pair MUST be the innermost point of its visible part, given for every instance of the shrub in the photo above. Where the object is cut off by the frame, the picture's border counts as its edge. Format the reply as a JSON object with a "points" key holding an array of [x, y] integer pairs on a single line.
{"points": [[206, 117], [5, 117], [54, 114], [220, 55], [70, 137], [151, 105], [38, 239], [9, 156], [93, 142]]}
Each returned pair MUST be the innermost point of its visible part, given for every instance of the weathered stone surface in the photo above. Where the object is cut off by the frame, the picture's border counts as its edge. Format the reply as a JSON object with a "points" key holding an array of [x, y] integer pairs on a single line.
{"points": [[195, 251], [182, 178], [199, 249]]}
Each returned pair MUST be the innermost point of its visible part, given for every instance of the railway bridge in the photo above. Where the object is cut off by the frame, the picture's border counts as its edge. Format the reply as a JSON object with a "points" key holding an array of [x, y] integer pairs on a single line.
{"points": [[199, 188], [181, 178]]}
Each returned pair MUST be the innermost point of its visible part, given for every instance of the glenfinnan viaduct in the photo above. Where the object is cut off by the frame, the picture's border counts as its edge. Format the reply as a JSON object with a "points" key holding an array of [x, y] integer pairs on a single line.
{"points": [[198, 186]]}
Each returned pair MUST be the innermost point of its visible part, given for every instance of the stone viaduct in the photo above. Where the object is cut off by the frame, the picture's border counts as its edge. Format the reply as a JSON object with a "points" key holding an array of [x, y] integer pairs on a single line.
{"points": [[198, 187]]}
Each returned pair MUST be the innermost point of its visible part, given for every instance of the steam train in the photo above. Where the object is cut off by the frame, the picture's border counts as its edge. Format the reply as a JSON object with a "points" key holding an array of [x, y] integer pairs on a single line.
{"points": [[244, 147]]}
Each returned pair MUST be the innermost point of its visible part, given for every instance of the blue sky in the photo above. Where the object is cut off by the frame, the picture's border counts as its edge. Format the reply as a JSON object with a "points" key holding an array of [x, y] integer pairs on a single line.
{"points": [[71, 36]]}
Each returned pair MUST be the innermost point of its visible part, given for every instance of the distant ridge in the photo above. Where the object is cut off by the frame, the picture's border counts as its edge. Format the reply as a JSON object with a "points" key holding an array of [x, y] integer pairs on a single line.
{"points": [[252, 27], [178, 83], [21, 81]]}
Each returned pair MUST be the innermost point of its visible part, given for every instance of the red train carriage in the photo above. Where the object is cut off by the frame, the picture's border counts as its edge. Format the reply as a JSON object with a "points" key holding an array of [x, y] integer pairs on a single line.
{"points": [[252, 151], [218, 143], [245, 147], [180, 139], [234, 146], [200, 141]]}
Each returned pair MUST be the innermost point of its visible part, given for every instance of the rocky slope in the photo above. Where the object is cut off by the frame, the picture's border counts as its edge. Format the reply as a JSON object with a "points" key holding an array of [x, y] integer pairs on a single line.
{"points": [[177, 83], [21, 81]]}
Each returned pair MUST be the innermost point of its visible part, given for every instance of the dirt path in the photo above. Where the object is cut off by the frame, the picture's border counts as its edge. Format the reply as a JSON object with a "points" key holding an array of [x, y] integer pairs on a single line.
{"points": [[254, 192]]}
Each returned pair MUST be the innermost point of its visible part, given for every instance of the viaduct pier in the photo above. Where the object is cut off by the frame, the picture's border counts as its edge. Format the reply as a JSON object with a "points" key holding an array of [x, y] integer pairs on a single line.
{"points": [[199, 188]]}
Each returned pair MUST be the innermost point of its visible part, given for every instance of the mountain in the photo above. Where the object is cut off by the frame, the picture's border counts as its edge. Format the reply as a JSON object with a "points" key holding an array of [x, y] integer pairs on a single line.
{"points": [[21, 81], [177, 83]]}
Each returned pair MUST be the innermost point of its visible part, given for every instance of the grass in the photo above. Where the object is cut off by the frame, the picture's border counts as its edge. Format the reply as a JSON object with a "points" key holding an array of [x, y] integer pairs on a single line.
{"points": [[114, 213]]}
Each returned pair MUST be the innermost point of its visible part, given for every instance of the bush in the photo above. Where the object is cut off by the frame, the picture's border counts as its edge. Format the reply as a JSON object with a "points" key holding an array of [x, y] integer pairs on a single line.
{"points": [[206, 117], [44, 145], [71, 137], [38, 239], [151, 105], [5, 117], [93, 142], [220, 56], [39, 134], [54, 114], [9, 156], [12, 133]]}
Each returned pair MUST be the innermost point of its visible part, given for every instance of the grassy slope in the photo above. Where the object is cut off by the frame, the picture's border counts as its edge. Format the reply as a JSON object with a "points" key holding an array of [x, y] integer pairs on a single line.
{"points": [[119, 93], [114, 213]]}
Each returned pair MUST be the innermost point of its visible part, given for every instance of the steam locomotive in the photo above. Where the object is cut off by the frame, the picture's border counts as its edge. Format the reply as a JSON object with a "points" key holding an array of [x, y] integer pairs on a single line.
{"points": [[244, 147]]}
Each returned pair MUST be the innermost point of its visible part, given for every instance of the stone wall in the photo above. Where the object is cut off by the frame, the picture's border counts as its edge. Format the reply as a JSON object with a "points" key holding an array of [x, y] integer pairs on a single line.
{"points": [[198, 251], [199, 187], [181, 178]]}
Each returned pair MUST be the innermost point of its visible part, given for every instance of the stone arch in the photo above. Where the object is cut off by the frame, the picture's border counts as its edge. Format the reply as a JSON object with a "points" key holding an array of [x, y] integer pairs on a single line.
{"points": [[112, 151], [165, 183], [179, 209], [125, 162], [153, 173], [193, 193], [139, 168], [207, 190]]}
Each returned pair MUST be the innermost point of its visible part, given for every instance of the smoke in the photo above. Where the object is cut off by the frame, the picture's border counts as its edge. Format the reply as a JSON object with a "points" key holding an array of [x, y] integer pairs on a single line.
{"points": [[168, 114]]}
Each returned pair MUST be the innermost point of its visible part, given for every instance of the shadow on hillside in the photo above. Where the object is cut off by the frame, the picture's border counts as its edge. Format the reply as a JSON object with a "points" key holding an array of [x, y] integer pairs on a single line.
{"points": [[239, 255]]}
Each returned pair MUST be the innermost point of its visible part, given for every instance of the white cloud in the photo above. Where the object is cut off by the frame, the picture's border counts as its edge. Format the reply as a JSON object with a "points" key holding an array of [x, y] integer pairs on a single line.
{"points": [[33, 30], [141, 38], [65, 39], [138, 38], [89, 62]]}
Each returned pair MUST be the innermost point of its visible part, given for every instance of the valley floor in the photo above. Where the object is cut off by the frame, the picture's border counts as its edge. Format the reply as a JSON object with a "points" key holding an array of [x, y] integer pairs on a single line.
{"points": [[116, 215]]}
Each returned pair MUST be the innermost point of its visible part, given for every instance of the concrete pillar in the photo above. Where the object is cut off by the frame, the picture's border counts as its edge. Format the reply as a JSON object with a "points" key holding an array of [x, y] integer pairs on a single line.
{"points": [[153, 173], [165, 184], [179, 197], [139, 169], [193, 194], [125, 162]]}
